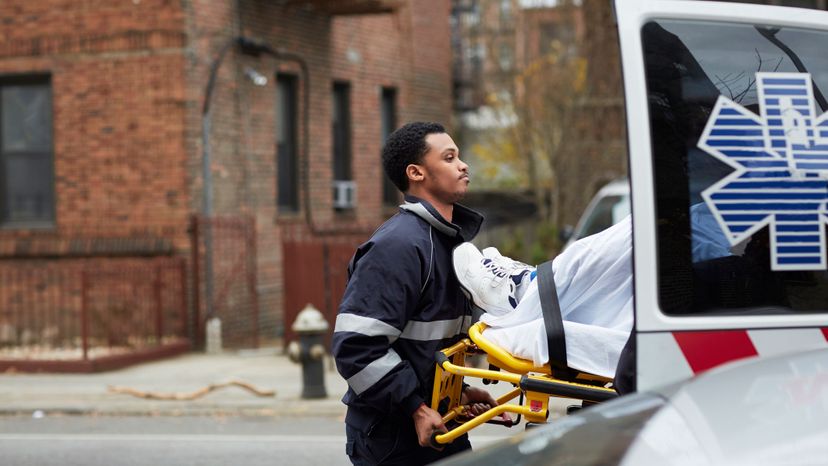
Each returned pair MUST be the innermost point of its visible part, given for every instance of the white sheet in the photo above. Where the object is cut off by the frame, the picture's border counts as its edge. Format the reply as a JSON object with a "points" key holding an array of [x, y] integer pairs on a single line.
{"points": [[594, 282]]}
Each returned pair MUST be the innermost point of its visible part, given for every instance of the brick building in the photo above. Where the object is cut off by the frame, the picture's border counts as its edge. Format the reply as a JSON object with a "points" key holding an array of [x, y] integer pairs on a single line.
{"points": [[101, 146]]}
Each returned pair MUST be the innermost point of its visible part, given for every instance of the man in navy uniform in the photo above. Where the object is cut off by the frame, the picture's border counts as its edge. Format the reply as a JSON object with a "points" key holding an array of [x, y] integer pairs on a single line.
{"points": [[403, 303]]}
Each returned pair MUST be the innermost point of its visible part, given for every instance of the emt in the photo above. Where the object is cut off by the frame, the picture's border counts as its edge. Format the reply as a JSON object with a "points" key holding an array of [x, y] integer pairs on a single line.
{"points": [[403, 303]]}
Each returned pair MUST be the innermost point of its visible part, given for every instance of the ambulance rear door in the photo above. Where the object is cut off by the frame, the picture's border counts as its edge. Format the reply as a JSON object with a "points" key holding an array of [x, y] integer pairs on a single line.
{"points": [[728, 148]]}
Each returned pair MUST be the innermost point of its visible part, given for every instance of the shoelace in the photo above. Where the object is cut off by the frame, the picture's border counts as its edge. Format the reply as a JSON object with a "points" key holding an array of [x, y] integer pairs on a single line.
{"points": [[496, 269], [509, 265]]}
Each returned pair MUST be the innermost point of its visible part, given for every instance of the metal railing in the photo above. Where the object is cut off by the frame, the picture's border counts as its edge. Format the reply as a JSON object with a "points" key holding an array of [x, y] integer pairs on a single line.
{"points": [[90, 309]]}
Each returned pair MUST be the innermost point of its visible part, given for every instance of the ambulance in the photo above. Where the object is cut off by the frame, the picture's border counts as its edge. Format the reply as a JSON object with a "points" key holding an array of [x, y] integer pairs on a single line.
{"points": [[728, 157], [727, 129]]}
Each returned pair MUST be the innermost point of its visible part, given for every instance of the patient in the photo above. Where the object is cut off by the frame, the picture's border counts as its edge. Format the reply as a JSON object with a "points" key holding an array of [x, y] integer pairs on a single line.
{"points": [[594, 283]]}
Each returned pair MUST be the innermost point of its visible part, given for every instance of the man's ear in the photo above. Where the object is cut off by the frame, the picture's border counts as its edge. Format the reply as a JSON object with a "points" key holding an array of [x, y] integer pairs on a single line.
{"points": [[414, 172]]}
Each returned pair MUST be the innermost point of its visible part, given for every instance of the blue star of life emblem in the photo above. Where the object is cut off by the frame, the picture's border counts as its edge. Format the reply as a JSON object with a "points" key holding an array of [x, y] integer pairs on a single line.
{"points": [[781, 170]]}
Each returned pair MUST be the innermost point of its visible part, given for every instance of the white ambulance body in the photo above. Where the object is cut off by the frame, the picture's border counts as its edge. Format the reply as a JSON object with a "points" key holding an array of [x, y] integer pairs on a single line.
{"points": [[728, 163]]}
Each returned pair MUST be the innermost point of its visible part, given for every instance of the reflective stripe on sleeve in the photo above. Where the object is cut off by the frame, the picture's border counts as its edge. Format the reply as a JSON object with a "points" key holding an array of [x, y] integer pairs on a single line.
{"points": [[365, 326], [372, 373], [467, 322], [437, 330]]}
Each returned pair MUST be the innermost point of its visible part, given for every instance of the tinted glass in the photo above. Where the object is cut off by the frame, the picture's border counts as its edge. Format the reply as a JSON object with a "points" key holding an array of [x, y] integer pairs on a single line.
{"points": [[341, 131], [388, 108], [748, 246], [286, 144], [607, 212], [27, 118], [26, 172], [29, 188]]}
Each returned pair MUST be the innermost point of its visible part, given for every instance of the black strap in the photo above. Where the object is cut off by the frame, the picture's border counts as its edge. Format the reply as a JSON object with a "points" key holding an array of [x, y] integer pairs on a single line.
{"points": [[552, 316]]}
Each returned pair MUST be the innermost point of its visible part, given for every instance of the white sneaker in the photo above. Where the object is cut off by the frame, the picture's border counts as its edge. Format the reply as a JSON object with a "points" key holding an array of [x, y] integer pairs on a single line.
{"points": [[489, 285], [520, 273]]}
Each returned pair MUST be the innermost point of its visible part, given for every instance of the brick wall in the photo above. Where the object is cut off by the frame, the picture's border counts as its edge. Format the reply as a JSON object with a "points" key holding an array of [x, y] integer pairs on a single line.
{"points": [[128, 81], [366, 51], [116, 73]]}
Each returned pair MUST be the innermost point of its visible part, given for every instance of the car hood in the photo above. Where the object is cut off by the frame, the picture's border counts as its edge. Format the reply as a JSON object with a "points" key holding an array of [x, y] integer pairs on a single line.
{"points": [[758, 411]]}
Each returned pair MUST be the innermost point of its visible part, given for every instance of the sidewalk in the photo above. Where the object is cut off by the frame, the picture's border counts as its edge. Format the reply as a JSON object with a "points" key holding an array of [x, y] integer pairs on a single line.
{"points": [[87, 394]]}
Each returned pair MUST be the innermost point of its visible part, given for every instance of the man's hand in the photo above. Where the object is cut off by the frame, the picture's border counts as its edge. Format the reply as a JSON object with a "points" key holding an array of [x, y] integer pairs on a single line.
{"points": [[479, 401], [427, 422]]}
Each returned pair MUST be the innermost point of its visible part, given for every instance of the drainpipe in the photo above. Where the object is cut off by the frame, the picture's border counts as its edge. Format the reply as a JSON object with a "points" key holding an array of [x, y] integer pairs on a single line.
{"points": [[213, 337]]}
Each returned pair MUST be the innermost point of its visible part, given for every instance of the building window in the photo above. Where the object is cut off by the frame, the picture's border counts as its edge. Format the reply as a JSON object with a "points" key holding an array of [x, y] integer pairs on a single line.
{"points": [[505, 57], [26, 167], [341, 131], [286, 143], [557, 38], [388, 114], [506, 11], [471, 15]]}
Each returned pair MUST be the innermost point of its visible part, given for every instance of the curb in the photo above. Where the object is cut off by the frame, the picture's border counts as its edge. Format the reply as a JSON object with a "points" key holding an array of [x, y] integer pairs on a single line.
{"points": [[287, 409]]}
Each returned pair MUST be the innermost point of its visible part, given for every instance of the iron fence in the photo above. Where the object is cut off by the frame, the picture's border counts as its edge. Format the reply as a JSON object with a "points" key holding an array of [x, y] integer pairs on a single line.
{"points": [[91, 314]]}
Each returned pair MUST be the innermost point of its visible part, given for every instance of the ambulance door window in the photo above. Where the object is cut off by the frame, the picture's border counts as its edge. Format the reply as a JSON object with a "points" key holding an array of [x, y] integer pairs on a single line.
{"points": [[740, 181]]}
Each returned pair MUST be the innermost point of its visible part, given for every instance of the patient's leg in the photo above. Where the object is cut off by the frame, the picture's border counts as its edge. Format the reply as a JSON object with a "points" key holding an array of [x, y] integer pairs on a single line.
{"points": [[521, 273], [594, 285], [589, 348], [493, 282], [593, 278]]}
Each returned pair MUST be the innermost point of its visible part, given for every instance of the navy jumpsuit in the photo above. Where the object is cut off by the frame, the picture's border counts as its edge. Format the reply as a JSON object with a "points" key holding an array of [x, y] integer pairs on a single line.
{"points": [[401, 305]]}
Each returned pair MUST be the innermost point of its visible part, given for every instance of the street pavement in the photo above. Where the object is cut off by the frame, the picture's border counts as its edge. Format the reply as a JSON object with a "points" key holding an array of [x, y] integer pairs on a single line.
{"points": [[266, 370], [89, 394], [68, 419]]}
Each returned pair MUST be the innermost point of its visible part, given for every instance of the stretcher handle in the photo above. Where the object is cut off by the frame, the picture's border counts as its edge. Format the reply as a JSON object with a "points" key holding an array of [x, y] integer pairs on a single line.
{"points": [[433, 440], [450, 436]]}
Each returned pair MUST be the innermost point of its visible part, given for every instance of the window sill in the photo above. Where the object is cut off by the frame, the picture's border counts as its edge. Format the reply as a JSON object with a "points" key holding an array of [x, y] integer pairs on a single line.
{"points": [[28, 226], [345, 214], [289, 217]]}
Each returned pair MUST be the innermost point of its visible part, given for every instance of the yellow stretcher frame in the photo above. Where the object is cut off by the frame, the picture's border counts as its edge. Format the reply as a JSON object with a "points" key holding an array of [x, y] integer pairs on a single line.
{"points": [[536, 383]]}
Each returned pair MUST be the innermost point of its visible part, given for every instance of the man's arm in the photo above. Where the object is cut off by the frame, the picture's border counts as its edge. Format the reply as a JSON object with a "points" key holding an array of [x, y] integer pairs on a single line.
{"points": [[426, 423], [383, 290]]}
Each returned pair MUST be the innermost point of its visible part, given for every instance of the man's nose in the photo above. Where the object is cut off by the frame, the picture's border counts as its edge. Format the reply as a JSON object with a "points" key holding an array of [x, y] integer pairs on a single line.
{"points": [[464, 167]]}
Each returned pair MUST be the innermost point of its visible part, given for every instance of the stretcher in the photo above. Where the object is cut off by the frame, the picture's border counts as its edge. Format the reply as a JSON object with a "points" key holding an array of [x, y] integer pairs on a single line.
{"points": [[533, 385]]}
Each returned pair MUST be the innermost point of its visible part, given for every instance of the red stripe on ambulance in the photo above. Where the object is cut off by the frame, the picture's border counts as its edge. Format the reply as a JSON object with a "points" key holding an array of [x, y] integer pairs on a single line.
{"points": [[705, 350], [667, 357]]}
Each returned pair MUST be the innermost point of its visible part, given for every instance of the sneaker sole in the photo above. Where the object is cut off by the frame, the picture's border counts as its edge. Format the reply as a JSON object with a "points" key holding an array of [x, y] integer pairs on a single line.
{"points": [[468, 253], [464, 251]]}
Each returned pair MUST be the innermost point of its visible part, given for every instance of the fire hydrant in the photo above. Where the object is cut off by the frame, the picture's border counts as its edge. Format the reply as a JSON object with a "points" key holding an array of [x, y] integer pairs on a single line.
{"points": [[309, 351]]}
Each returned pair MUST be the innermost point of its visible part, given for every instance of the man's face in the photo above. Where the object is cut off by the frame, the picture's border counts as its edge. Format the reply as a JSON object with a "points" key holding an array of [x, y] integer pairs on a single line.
{"points": [[446, 177]]}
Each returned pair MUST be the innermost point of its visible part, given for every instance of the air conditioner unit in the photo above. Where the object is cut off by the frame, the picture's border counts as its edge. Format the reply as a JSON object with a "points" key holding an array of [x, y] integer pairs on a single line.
{"points": [[344, 194]]}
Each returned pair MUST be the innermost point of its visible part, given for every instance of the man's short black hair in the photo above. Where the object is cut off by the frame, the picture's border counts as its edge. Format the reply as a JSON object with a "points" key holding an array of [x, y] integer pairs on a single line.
{"points": [[405, 146]]}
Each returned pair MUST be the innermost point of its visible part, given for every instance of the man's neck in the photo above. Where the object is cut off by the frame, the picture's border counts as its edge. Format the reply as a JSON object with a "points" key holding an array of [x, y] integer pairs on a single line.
{"points": [[444, 209]]}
